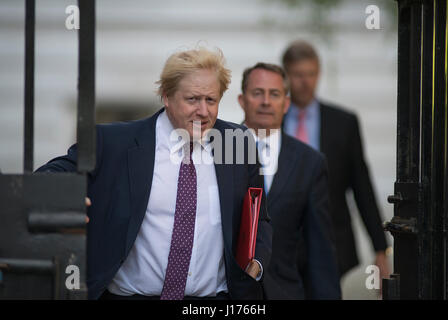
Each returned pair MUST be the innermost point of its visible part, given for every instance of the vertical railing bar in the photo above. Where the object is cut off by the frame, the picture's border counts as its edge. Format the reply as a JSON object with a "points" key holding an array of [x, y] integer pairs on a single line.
{"points": [[402, 100], [425, 217], [30, 21], [86, 136], [439, 124], [445, 199]]}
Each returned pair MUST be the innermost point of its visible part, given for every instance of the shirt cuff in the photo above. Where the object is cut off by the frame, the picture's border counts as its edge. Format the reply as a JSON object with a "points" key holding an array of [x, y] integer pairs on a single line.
{"points": [[260, 274]]}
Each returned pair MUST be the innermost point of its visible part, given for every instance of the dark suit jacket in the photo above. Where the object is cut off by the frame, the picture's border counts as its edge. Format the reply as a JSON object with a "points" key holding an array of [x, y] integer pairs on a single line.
{"points": [[299, 209], [341, 143], [120, 186]]}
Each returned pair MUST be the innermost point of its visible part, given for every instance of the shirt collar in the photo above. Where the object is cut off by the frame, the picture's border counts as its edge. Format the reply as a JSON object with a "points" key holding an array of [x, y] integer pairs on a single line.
{"points": [[311, 109], [276, 134], [165, 128], [205, 143], [272, 137]]}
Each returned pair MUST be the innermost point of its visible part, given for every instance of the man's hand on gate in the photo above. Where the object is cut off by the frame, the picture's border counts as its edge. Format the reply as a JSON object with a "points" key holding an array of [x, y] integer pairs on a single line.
{"points": [[88, 204], [382, 262]]}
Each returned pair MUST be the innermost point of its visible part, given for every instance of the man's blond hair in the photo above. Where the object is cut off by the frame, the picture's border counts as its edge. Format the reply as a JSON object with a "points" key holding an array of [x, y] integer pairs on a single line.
{"points": [[181, 64]]}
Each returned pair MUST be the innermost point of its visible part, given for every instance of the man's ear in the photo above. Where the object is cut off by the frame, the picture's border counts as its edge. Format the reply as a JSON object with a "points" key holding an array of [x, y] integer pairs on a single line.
{"points": [[241, 101], [165, 100], [287, 104]]}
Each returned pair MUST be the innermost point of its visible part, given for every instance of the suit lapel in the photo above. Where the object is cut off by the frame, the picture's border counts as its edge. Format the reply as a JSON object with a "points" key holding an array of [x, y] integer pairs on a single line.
{"points": [[141, 169], [224, 177], [287, 160]]}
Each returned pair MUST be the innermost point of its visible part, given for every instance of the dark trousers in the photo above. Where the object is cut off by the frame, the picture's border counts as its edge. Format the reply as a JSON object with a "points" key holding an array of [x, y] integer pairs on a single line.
{"points": [[110, 296]]}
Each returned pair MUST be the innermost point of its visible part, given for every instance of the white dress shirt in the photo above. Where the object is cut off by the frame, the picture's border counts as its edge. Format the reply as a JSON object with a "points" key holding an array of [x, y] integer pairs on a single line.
{"points": [[143, 272], [268, 152]]}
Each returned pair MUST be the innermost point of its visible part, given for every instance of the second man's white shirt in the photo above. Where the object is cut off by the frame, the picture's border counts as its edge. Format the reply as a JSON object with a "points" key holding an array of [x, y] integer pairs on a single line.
{"points": [[268, 152]]}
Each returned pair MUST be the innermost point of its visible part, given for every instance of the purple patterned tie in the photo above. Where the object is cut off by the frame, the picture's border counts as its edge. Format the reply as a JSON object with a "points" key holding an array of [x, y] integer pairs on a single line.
{"points": [[183, 231]]}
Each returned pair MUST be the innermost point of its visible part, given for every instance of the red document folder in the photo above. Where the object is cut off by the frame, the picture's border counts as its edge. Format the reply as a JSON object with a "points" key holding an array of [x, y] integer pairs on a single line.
{"points": [[247, 237]]}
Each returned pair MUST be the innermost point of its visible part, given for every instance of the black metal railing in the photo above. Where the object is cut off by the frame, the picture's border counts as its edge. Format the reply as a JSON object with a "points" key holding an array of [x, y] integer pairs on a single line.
{"points": [[420, 204], [42, 228]]}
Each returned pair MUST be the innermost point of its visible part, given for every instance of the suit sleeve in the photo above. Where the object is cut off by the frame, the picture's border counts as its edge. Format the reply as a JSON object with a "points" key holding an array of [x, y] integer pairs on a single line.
{"points": [[68, 162], [321, 271], [364, 193]]}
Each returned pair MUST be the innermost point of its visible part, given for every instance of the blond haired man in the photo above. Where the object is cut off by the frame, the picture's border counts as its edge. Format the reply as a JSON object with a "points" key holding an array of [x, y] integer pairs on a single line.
{"points": [[167, 230]]}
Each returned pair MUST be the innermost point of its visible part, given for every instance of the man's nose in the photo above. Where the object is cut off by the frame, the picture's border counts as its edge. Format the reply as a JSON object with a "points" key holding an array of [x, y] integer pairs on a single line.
{"points": [[202, 108], [266, 99]]}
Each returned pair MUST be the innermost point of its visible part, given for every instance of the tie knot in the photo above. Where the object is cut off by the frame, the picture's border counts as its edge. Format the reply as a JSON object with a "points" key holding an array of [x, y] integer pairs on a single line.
{"points": [[188, 150]]}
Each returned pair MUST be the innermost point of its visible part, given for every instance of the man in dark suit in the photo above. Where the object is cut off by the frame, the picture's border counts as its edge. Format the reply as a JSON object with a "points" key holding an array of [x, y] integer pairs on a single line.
{"points": [[296, 186], [163, 222], [335, 132]]}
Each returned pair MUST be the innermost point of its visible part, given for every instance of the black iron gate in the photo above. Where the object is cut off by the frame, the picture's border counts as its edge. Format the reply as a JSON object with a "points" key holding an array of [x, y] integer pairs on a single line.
{"points": [[42, 226], [42, 216], [420, 201]]}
